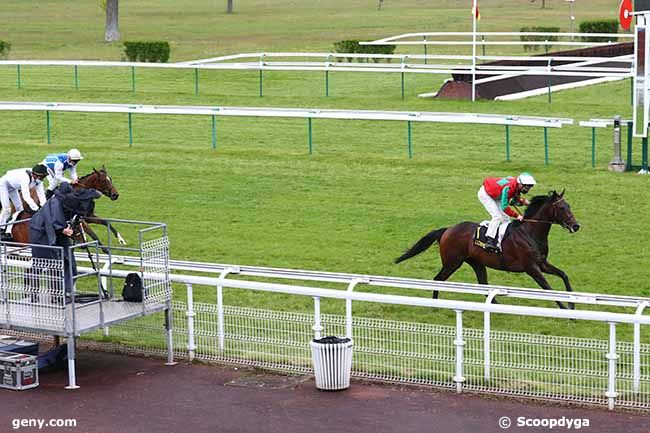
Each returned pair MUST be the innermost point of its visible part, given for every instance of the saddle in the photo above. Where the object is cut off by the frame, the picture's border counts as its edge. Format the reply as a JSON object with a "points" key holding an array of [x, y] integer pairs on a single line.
{"points": [[480, 238]]}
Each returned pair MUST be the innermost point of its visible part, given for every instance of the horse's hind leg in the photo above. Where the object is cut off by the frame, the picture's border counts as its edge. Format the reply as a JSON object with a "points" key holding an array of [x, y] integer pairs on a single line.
{"points": [[481, 274], [447, 270]]}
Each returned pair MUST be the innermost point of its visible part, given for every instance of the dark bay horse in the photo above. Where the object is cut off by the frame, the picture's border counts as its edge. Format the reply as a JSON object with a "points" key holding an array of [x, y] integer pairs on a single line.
{"points": [[98, 180], [525, 249]]}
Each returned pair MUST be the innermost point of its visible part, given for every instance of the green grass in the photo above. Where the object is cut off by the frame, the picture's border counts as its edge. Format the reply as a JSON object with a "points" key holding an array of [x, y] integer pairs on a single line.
{"points": [[358, 201]]}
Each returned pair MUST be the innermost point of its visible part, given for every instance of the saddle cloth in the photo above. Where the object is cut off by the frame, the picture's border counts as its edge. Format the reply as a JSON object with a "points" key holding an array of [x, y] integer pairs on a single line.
{"points": [[479, 234]]}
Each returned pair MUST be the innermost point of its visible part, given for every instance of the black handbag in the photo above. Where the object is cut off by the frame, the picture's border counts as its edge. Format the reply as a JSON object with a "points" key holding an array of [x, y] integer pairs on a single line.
{"points": [[132, 291]]}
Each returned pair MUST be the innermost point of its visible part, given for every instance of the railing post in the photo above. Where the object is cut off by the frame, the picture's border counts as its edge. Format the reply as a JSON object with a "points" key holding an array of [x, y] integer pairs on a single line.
{"points": [[76, 77], [348, 305], [612, 357], [508, 143], [328, 63], [410, 140], [309, 133], [628, 162], [133, 79], [636, 375], [593, 147], [486, 336], [459, 343], [214, 131], [220, 319], [402, 73], [545, 145], [130, 129], [261, 76], [47, 123], [190, 322], [196, 81], [424, 39], [317, 328], [19, 81], [548, 79]]}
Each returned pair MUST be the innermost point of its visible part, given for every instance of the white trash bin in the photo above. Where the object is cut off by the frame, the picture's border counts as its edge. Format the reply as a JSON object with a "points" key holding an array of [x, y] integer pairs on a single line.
{"points": [[332, 357]]}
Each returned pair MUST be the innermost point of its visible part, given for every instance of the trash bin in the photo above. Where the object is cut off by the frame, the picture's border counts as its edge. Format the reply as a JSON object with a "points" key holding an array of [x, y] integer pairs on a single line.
{"points": [[332, 358]]}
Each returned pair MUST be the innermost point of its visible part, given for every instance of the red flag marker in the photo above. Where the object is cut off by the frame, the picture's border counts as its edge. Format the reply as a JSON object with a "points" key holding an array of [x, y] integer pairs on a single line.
{"points": [[625, 14]]}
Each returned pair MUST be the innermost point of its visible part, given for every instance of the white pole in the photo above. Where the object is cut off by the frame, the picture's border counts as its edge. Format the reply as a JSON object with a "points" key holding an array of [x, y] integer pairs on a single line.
{"points": [[190, 322], [612, 357], [317, 328], [459, 343], [636, 375], [474, 50]]}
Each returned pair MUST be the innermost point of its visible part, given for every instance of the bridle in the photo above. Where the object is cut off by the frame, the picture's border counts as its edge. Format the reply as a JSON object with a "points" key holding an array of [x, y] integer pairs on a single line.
{"points": [[563, 223], [106, 192]]}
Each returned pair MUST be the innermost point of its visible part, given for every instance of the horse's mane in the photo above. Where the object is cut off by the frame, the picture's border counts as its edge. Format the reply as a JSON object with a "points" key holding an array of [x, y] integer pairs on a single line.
{"points": [[536, 203], [93, 172]]}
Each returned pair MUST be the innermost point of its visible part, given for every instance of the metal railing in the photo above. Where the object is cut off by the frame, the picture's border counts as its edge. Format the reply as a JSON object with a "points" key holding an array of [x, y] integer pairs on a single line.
{"points": [[551, 367]]}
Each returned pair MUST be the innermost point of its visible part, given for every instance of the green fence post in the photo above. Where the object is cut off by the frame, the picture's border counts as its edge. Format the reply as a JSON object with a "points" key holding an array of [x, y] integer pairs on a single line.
{"points": [[408, 123], [311, 147], [18, 76], [632, 91], [214, 131], [130, 130], [261, 93], [593, 147], [327, 83], [628, 163], [508, 143], [545, 145], [424, 39], [196, 81], [644, 154], [133, 79], [76, 77], [483, 44], [47, 123]]}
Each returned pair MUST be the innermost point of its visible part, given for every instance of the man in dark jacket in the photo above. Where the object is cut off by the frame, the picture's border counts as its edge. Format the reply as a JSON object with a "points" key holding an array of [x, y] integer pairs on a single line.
{"points": [[51, 225]]}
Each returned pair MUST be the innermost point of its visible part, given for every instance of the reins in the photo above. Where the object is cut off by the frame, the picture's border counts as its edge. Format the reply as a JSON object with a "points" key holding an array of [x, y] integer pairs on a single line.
{"points": [[532, 220]]}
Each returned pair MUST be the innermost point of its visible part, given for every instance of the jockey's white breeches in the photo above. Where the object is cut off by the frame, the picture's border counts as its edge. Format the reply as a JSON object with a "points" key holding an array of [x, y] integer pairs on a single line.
{"points": [[494, 209], [7, 197]]}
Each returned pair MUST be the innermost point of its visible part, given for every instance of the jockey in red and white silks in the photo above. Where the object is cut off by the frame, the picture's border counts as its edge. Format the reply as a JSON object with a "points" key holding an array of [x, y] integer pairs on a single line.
{"points": [[497, 194]]}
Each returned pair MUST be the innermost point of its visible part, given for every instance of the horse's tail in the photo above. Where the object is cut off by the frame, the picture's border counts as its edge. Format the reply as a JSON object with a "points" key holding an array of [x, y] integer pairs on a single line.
{"points": [[421, 245]]}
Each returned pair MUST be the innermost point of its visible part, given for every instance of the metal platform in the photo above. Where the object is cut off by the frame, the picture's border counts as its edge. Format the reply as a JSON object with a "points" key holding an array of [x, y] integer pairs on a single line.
{"points": [[41, 291]]}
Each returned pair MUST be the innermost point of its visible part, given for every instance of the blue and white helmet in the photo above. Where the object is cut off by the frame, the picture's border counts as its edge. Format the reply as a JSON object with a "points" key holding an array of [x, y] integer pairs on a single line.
{"points": [[526, 179]]}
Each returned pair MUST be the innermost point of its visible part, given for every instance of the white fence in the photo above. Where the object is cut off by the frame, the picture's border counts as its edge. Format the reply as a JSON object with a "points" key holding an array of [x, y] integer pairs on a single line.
{"points": [[594, 371]]}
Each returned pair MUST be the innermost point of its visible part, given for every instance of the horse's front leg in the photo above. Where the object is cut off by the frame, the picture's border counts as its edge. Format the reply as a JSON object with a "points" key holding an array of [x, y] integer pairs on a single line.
{"points": [[536, 274], [548, 268], [94, 219]]}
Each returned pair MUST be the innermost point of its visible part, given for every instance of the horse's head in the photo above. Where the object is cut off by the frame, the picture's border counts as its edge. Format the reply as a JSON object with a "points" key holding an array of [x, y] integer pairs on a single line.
{"points": [[101, 181], [553, 208]]}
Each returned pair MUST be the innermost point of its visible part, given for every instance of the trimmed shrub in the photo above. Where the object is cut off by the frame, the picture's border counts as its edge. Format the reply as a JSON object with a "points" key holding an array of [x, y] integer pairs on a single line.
{"points": [[526, 38], [599, 26], [352, 46], [5, 47], [147, 51]]}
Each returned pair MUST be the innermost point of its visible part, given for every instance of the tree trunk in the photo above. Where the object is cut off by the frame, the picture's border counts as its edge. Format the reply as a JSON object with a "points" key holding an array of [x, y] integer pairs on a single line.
{"points": [[112, 28], [229, 9]]}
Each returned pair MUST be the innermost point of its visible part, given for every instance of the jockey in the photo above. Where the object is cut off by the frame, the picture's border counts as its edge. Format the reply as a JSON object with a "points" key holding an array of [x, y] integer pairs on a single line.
{"points": [[20, 181], [56, 164], [496, 195]]}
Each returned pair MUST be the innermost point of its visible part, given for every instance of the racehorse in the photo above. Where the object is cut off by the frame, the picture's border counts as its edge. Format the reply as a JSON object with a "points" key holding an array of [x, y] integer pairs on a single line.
{"points": [[99, 180], [524, 249]]}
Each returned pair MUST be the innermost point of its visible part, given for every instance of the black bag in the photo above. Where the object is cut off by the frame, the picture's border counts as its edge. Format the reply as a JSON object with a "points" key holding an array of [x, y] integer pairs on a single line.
{"points": [[132, 291]]}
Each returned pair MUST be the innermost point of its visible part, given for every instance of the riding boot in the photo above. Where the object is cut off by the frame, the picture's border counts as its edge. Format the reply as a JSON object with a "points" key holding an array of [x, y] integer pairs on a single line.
{"points": [[491, 244], [6, 237]]}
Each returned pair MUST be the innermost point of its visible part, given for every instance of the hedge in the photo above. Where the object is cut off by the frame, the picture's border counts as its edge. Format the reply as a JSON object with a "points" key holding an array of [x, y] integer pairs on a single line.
{"points": [[526, 38], [5, 47], [352, 46], [599, 26], [147, 51]]}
